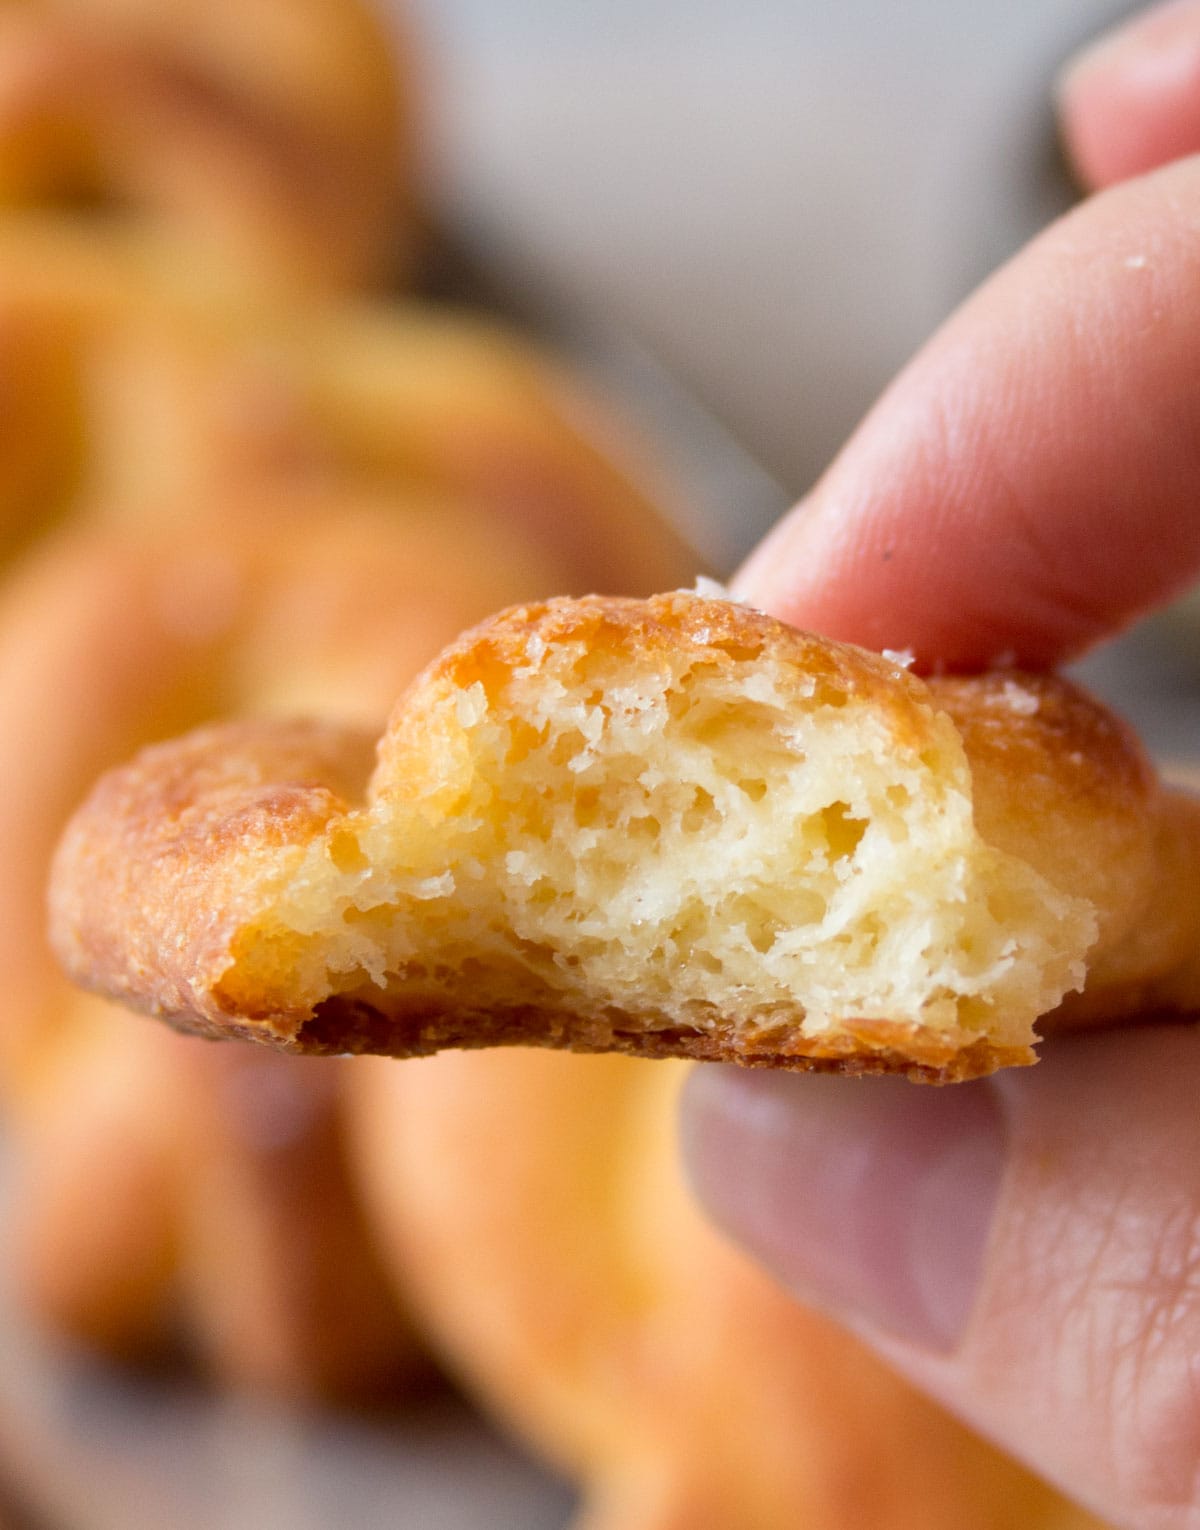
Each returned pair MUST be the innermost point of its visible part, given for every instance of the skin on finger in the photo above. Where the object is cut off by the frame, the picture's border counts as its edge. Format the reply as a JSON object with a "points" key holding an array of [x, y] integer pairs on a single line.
{"points": [[1030, 482], [1131, 101], [1068, 1265]]}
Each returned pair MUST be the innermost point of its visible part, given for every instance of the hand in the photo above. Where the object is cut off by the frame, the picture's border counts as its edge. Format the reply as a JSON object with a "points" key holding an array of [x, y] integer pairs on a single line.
{"points": [[1026, 1248]]}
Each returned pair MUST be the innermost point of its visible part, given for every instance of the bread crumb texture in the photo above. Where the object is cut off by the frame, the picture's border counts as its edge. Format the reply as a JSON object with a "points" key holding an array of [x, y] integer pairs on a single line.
{"points": [[669, 827]]}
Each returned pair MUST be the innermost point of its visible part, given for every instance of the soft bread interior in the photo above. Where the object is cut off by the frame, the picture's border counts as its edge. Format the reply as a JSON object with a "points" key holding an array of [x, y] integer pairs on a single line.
{"points": [[710, 831]]}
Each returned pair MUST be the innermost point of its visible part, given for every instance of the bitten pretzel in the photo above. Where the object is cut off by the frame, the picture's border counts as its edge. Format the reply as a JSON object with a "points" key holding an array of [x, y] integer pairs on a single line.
{"points": [[671, 828]]}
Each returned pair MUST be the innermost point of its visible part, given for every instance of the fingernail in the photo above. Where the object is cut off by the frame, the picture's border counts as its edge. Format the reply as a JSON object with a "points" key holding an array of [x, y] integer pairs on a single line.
{"points": [[1156, 49], [872, 1198]]}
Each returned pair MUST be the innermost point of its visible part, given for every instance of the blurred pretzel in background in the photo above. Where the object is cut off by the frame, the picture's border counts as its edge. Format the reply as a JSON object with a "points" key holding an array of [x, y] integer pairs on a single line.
{"points": [[278, 139], [145, 389], [224, 489]]}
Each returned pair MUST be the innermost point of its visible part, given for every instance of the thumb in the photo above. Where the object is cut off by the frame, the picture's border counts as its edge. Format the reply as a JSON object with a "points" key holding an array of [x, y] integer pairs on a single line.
{"points": [[1026, 1249]]}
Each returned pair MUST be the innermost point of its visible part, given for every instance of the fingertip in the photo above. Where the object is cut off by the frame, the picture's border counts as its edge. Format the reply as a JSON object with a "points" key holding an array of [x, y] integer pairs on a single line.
{"points": [[1129, 102]]}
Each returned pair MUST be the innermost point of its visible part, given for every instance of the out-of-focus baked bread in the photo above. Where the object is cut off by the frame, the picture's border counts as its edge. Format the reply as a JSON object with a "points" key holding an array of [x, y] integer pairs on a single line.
{"points": [[672, 827], [144, 391], [279, 137], [169, 1197], [533, 1206]]}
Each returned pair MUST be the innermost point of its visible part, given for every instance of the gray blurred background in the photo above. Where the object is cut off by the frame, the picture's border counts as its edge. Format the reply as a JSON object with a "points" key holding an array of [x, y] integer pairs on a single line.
{"points": [[780, 198]]}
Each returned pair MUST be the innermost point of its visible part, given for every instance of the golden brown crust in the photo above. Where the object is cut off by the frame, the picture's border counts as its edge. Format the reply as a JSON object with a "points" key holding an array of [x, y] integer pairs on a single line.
{"points": [[725, 633], [180, 840], [190, 818], [722, 633]]}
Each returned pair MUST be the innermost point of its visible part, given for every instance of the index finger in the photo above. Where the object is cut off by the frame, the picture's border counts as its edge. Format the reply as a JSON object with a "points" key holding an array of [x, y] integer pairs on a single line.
{"points": [[1031, 482]]}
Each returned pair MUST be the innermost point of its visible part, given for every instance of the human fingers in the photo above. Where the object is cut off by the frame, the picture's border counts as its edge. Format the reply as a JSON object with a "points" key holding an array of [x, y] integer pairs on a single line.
{"points": [[1028, 485], [1026, 1249], [1130, 101]]}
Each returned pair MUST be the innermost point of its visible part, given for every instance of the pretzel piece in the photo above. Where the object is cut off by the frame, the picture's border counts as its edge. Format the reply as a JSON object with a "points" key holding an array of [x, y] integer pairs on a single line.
{"points": [[675, 827]]}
